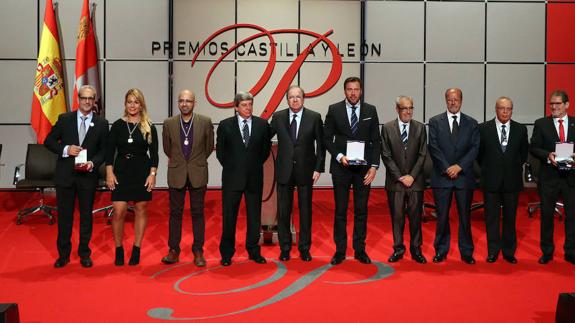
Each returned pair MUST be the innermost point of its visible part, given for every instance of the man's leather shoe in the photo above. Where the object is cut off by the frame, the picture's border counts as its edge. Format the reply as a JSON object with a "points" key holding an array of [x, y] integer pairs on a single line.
{"points": [[284, 255], [438, 258], [86, 262], [468, 260], [545, 259], [305, 255], [510, 259], [395, 257], [61, 262], [491, 258], [337, 258], [362, 257], [570, 258], [226, 262], [172, 257], [419, 258], [258, 259], [199, 259]]}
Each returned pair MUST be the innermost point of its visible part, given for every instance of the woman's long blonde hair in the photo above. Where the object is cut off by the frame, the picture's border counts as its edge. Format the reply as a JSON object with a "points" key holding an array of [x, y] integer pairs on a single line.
{"points": [[145, 121]]}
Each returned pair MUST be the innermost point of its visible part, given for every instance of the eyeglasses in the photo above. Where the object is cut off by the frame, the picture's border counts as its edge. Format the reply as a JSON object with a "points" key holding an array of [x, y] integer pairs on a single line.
{"points": [[504, 108], [555, 103], [294, 98], [184, 101], [406, 108], [86, 98]]}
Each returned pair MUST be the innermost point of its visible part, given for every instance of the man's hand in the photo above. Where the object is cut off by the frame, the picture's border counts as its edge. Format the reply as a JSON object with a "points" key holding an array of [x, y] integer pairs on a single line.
{"points": [[551, 158], [74, 150], [369, 176], [453, 171], [406, 180], [344, 161], [315, 176]]}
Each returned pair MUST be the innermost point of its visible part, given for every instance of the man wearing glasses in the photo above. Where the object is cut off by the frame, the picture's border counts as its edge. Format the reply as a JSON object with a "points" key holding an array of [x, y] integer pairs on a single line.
{"points": [[79, 139], [553, 181], [404, 148], [188, 141], [502, 153], [300, 161]]}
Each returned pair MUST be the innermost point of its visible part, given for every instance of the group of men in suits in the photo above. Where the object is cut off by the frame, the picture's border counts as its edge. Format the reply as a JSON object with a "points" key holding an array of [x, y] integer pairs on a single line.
{"points": [[243, 144]]}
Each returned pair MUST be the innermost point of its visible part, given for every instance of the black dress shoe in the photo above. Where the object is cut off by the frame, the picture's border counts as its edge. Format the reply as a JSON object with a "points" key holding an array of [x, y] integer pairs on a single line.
{"points": [[491, 258], [438, 258], [362, 257], [419, 258], [395, 257], [86, 262], [284, 255], [226, 262], [337, 258], [545, 259], [468, 260], [258, 259], [570, 258], [510, 259], [61, 262], [305, 255]]}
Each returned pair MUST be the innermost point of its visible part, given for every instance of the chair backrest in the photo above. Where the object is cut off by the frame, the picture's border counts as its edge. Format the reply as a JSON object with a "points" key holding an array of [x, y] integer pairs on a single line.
{"points": [[40, 163]]}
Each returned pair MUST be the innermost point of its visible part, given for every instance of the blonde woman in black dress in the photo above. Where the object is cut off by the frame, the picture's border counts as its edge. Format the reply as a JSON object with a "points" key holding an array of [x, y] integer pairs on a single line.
{"points": [[131, 163]]}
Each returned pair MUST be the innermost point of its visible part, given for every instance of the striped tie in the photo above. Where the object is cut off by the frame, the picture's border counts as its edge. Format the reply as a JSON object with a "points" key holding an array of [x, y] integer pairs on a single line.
{"points": [[404, 135], [503, 138], [353, 120], [246, 133]]}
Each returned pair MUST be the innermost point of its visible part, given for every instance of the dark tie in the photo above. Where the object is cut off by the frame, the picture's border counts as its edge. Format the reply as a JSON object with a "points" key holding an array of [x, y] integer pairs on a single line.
{"points": [[82, 132], [503, 138], [404, 135], [353, 120], [293, 129], [561, 131], [246, 133], [454, 128]]}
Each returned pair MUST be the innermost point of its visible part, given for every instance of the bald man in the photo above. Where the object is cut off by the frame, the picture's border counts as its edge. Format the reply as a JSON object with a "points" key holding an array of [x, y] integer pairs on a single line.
{"points": [[188, 140]]}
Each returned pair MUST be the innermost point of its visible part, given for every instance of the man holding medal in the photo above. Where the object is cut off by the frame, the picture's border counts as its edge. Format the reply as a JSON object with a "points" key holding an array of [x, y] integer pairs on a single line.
{"points": [[79, 139], [188, 141]]}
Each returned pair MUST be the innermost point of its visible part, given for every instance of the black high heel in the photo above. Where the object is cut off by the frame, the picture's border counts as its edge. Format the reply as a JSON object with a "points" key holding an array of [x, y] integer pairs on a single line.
{"points": [[119, 256], [135, 257]]}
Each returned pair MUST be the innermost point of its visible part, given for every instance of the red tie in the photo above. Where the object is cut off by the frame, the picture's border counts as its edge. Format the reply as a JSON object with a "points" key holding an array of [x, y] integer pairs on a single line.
{"points": [[561, 131]]}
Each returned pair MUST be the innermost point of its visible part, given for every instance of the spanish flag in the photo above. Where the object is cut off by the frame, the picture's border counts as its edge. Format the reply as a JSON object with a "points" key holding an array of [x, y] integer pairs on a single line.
{"points": [[86, 59], [49, 99]]}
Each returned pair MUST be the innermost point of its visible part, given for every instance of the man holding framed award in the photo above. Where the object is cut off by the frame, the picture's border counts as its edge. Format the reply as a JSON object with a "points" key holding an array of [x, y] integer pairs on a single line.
{"points": [[552, 143], [351, 135]]}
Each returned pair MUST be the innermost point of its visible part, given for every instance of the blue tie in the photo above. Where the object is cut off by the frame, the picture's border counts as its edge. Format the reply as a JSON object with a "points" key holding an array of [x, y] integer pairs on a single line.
{"points": [[353, 120], [404, 135], [246, 133]]}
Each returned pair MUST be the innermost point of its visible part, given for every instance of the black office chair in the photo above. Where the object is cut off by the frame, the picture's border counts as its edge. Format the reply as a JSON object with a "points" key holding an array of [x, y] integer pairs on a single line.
{"points": [[38, 175], [531, 176], [477, 174], [108, 210]]}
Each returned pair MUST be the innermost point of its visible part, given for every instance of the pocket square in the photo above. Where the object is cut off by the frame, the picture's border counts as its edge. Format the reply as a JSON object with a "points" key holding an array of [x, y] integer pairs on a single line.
{"points": [[366, 119]]}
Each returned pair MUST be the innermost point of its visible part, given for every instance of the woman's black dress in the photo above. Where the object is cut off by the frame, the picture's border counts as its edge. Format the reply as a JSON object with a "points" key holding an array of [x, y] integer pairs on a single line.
{"points": [[132, 160]]}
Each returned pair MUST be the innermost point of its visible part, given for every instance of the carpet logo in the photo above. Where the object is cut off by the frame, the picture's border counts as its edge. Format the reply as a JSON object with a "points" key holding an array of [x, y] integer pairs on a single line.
{"points": [[162, 313]]}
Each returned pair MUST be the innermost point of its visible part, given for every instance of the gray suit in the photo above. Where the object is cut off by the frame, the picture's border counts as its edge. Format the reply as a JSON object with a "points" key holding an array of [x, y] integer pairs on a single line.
{"points": [[400, 160]]}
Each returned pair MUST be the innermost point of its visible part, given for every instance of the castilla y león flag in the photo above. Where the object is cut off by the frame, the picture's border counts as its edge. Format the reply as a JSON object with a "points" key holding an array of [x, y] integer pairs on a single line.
{"points": [[49, 99], [86, 59]]}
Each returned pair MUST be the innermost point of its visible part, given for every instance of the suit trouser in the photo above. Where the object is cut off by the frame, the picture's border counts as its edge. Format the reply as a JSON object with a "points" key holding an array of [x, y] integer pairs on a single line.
{"points": [[230, 206], [501, 205], [285, 207], [549, 192], [341, 186], [66, 197], [177, 197], [401, 203], [463, 199]]}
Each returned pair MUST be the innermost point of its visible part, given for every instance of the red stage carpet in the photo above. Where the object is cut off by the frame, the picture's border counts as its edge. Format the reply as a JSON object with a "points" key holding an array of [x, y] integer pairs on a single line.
{"points": [[276, 292]]}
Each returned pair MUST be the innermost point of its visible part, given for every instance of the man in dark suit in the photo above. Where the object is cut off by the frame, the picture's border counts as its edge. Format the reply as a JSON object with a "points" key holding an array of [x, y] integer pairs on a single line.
{"points": [[502, 153], [300, 160], [404, 148], [554, 182], [188, 141], [75, 132], [453, 146], [352, 121], [242, 146]]}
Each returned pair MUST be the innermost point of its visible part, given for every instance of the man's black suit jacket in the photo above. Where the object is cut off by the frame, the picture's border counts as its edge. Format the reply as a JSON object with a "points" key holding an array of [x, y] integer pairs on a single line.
{"points": [[444, 152], [242, 167], [502, 172], [337, 132], [65, 132], [304, 156], [543, 142]]}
